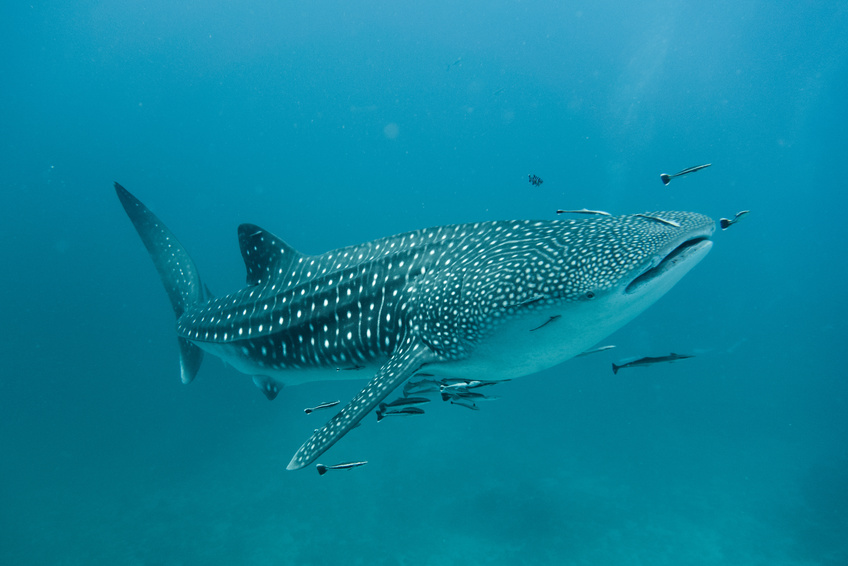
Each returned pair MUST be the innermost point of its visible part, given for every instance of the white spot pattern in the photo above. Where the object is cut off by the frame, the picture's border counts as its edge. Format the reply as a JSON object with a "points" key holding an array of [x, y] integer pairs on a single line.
{"points": [[458, 282], [399, 301]]}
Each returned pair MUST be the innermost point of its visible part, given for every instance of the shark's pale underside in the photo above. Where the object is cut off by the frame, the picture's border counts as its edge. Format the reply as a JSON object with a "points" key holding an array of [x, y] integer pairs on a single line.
{"points": [[492, 300]]}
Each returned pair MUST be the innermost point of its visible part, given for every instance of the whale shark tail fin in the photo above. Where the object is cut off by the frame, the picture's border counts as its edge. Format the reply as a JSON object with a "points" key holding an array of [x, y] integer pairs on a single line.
{"points": [[177, 270]]}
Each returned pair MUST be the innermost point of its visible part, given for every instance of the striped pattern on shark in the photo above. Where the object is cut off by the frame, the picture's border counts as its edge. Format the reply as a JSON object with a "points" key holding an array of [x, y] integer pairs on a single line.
{"points": [[496, 299]]}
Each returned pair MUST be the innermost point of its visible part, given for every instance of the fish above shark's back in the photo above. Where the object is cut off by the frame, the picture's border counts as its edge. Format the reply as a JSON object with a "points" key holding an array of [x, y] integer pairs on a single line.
{"points": [[493, 299]]}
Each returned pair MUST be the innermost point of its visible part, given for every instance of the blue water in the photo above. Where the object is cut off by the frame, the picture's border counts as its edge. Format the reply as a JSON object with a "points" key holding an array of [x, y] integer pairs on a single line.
{"points": [[334, 123]]}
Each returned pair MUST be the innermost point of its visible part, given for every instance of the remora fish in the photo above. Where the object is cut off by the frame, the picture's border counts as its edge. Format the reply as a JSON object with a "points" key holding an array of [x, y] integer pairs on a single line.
{"points": [[452, 394], [659, 219], [399, 413], [726, 223], [647, 361], [460, 393], [595, 350], [584, 211], [473, 384], [421, 387], [465, 403], [450, 299], [322, 469], [666, 179], [326, 405]]}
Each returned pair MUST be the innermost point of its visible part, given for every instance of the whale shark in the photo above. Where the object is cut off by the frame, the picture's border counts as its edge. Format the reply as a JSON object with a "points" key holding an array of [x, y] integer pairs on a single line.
{"points": [[494, 300]]}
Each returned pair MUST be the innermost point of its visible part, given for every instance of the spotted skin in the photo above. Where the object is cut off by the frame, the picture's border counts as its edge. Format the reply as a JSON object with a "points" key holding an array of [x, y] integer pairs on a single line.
{"points": [[178, 272], [410, 357], [506, 298]]}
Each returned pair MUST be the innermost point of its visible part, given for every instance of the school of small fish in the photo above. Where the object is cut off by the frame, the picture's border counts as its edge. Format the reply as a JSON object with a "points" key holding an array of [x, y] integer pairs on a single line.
{"points": [[535, 180]]}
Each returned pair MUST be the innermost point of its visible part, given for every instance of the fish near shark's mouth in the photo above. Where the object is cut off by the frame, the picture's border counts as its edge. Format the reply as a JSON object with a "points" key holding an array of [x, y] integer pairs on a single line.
{"points": [[688, 253]]}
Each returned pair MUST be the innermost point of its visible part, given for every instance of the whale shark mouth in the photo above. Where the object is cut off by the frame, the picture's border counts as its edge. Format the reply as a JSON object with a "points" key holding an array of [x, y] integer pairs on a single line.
{"points": [[694, 247]]}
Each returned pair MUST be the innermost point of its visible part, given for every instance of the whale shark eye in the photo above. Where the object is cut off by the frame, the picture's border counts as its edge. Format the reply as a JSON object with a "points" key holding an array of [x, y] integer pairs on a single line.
{"points": [[590, 295]]}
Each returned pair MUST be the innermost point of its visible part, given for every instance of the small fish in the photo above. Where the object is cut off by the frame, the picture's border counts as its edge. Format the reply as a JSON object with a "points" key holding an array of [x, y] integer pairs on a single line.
{"points": [[401, 401], [660, 220], [400, 412], [457, 62], [466, 404], [726, 223], [595, 351], [530, 301], [420, 387], [452, 380], [584, 211], [465, 395], [470, 384], [647, 361], [547, 322], [497, 92], [325, 405], [460, 394], [666, 179], [322, 469], [463, 391], [535, 180]]}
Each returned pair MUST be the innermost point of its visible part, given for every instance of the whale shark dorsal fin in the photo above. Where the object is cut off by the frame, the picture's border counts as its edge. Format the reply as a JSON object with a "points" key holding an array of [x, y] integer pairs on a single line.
{"points": [[407, 359], [265, 255]]}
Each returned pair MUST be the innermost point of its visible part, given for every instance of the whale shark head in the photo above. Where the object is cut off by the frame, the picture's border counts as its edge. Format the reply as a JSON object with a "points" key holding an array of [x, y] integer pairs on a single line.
{"points": [[625, 264], [530, 295]]}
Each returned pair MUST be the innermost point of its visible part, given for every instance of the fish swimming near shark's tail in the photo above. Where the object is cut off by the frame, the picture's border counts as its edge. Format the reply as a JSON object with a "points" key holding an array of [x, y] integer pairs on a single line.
{"points": [[176, 268]]}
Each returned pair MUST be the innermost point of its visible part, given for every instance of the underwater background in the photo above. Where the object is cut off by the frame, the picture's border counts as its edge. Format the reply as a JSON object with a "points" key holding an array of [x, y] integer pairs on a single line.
{"points": [[334, 123]]}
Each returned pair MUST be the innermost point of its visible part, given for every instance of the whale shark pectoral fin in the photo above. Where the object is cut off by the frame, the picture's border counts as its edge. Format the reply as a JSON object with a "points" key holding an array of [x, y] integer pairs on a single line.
{"points": [[407, 360], [269, 386]]}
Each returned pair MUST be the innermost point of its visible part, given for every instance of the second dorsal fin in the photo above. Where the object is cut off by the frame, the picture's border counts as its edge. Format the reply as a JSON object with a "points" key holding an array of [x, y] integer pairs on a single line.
{"points": [[266, 256]]}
